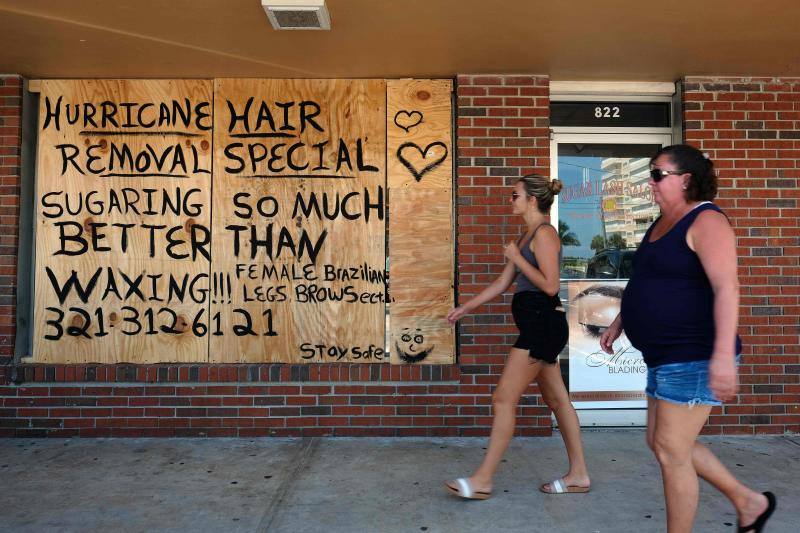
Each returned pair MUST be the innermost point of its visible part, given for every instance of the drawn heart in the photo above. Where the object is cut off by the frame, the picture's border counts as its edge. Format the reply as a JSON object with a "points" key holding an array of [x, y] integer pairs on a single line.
{"points": [[405, 119], [424, 153]]}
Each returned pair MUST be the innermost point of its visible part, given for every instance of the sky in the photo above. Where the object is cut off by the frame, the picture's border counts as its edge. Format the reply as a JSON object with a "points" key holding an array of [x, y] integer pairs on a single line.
{"points": [[580, 210]]}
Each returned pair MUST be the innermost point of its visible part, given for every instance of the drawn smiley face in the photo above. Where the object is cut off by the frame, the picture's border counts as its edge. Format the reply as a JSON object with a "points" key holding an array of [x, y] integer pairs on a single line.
{"points": [[411, 346]]}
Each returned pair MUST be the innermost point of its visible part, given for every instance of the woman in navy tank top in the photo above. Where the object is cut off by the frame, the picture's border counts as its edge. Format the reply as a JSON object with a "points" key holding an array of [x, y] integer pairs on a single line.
{"points": [[534, 263], [680, 308]]}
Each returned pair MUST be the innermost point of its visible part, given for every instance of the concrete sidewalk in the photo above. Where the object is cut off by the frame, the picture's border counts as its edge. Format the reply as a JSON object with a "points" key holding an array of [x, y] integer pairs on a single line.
{"points": [[368, 484]]}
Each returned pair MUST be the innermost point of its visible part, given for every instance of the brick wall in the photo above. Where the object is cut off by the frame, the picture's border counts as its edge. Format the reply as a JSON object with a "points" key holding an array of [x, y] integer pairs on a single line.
{"points": [[10, 142], [237, 401], [751, 129], [502, 133]]}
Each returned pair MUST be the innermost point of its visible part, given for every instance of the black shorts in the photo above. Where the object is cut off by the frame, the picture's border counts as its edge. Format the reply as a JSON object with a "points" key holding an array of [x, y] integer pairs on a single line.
{"points": [[543, 329]]}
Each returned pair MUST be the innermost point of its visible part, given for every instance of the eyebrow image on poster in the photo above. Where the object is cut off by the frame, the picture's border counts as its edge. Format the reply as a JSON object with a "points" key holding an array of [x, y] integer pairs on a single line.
{"points": [[597, 379]]}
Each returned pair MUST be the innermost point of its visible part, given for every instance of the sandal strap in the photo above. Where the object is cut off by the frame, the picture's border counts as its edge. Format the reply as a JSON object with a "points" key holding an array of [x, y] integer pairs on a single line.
{"points": [[464, 487], [758, 525]]}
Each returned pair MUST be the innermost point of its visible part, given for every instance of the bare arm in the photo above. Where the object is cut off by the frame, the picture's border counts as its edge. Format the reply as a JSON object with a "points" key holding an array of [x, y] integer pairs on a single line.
{"points": [[714, 241], [492, 291], [546, 246]]}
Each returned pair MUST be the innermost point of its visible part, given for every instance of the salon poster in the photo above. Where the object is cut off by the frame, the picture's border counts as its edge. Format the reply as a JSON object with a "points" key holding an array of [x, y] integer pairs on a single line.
{"points": [[598, 380]]}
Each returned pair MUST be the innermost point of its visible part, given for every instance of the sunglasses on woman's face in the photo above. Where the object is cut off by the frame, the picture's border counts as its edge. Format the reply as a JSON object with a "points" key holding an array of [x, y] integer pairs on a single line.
{"points": [[515, 195], [659, 174]]}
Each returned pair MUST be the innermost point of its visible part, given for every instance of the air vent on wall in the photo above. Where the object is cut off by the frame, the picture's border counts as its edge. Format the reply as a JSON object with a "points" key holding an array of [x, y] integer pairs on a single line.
{"points": [[297, 14]]}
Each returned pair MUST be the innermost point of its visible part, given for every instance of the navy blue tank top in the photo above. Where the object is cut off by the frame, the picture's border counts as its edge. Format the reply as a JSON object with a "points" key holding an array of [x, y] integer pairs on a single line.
{"points": [[522, 281], [668, 304]]}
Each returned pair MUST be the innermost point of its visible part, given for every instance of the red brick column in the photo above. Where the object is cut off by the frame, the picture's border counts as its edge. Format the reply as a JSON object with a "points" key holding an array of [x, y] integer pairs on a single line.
{"points": [[503, 133], [10, 142], [750, 127]]}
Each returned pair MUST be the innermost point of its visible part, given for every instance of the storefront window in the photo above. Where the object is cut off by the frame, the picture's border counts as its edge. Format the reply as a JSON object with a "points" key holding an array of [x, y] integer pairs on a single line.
{"points": [[604, 208]]}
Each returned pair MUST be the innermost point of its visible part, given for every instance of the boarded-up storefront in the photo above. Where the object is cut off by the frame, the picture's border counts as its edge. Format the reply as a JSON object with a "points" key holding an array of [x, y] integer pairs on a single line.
{"points": [[244, 220]]}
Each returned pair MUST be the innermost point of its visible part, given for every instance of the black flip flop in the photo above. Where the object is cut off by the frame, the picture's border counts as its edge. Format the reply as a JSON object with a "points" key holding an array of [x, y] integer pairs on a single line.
{"points": [[758, 525]]}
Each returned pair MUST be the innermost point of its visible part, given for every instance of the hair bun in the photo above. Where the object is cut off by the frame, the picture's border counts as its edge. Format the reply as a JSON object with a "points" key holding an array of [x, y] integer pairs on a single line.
{"points": [[556, 186]]}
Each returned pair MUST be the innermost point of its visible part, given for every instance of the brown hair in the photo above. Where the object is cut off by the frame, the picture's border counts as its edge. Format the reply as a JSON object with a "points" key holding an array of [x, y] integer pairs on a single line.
{"points": [[703, 182], [542, 188]]}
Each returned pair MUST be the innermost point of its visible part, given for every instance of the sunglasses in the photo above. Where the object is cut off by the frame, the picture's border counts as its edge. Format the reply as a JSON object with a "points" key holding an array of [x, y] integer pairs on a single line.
{"points": [[659, 174], [515, 195]]}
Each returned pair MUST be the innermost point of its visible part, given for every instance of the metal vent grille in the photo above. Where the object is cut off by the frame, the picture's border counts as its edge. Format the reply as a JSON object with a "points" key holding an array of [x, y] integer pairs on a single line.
{"points": [[297, 14], [297, 19]]}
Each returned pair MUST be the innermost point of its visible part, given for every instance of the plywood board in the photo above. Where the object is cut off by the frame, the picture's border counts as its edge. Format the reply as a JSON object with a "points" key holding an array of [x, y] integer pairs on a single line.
{"points": [[421, 250], [299, 221], [123, 221]]}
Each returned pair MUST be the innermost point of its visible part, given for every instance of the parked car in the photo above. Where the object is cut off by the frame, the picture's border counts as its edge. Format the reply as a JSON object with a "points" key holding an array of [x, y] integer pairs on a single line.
{"points": [[611, 263], [572, 272]]}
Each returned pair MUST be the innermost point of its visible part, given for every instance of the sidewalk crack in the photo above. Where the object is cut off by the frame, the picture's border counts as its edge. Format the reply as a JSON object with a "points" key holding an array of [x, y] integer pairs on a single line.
{"points": [[301, 458]]}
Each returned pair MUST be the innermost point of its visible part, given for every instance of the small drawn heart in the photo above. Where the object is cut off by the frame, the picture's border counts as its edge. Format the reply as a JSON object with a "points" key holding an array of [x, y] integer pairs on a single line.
{"points": [[406, 119], [424, 153]]}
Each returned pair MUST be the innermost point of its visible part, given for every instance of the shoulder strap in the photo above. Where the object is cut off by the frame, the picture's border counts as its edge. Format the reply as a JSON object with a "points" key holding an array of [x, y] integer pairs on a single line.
{"points": [[694, 213], [537, 229], [559, 239], [522, 239]]}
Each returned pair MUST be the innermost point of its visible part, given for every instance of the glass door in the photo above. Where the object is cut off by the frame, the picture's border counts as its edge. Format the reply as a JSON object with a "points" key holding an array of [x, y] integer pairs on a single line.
{"points": [[602, 214]]}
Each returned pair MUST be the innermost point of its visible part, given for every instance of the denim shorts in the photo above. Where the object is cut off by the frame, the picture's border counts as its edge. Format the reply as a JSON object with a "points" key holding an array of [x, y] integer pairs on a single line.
{"points": [[682, 383]]}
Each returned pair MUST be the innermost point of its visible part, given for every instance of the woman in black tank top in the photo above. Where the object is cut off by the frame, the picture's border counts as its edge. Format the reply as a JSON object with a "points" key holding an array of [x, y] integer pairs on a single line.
{"points": [[680, 309], [543, 334]]}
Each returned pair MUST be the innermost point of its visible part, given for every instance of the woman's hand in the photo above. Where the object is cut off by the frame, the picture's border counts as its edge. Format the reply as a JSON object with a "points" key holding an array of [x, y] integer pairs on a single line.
{"points": [[722, 377], [511, 251], [608, 337], [455, 314]]}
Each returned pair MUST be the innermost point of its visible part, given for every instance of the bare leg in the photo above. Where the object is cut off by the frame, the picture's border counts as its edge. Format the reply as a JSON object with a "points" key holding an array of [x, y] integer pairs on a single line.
{"points": [[749, 503], [652, 408], [556, 397], [676, 429], [519, 372]]}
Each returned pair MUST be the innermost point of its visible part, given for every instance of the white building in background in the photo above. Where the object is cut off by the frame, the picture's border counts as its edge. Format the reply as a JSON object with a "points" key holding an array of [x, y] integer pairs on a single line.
{"points": [[627, 206]]}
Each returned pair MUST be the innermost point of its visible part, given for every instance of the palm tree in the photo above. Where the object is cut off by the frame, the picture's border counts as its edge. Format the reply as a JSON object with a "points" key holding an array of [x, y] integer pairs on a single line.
{"points": [[615, 240], [598, 243], [568, 238]]}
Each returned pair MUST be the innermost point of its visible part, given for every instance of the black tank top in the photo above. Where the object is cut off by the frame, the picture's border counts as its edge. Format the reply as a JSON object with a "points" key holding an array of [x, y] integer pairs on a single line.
{"points": [[668, 304]]}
